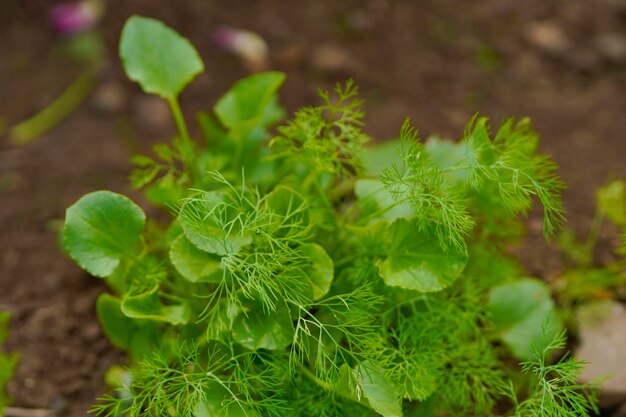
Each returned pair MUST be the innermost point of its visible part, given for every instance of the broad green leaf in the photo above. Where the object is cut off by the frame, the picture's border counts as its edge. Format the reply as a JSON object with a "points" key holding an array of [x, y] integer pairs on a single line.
{"points": [[193, 263], [212, 131], [415, 260], [157, 57], [115, 324], [524, 315], [448, 154], [381, 394], [148, 305], [319, 271], [368, 385], [124, 332], [380, 156], [212, 224], [102, 228], [258, 329], [611, 200], [370, 190], [250, 101]]}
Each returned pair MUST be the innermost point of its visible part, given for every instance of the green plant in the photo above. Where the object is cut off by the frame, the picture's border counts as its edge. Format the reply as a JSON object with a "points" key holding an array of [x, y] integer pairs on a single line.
{"points": [[557, 392], [584, 280], [8, 362], [314, 276]]}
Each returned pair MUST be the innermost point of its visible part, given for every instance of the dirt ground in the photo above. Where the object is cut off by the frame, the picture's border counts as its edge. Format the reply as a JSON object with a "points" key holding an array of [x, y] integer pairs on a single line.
{"points": [[563, 63]]}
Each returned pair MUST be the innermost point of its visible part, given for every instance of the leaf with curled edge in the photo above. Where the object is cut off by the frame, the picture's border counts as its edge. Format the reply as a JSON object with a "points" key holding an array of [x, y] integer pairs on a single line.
{"points": [[415, 260], [194, 264], [147, 305]]}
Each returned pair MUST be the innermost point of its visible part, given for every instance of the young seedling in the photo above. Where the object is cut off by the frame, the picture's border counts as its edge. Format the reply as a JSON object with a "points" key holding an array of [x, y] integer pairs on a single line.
{"points": [[8, 362]]}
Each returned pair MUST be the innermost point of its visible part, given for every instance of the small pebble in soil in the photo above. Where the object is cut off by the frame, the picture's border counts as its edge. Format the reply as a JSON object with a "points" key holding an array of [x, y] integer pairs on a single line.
{"points": [[30, 383], [58, 404], [547, 36], [602, 340], [91, 332], [612, 47], [110, 97], [291, 56], [332, 58], [359, 21], [152, 113]]}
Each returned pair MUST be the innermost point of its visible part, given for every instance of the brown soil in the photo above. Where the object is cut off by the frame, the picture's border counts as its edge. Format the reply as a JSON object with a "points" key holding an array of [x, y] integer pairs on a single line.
{"points": [[437, 61]]}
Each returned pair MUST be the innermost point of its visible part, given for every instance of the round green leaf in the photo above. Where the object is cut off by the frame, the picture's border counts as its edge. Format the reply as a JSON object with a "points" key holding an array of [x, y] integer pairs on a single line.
{"points": [[524, 315], [193, 263], [320, 271], [416, 261], [247, 102], [379, 156], [210, 223], [157, 57], [148, 306], [100, 229], [259, 329]]}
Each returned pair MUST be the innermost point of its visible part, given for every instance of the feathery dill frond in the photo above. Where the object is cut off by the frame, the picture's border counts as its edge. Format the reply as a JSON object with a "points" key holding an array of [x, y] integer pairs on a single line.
{"points": [[472, 380], [196, 381], [436, 349], [510, 162], [420, 181], [342, 331], [257, 262], [557, 392], [328, 137]]}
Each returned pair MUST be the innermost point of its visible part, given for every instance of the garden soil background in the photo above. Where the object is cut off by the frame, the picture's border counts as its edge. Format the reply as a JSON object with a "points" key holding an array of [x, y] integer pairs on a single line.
{"points": [[563, 63]]}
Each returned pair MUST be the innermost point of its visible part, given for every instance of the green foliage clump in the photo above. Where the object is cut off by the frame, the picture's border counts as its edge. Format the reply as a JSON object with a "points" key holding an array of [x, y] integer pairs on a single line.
{"points": [[297, 278], [584, 282], [8, 362]]}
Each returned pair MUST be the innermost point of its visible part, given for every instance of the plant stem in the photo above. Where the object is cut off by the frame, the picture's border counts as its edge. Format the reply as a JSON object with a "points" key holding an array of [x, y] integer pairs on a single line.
{"points": [[58, 110], [188, 148], [179, 118], [323, 384], [594, 234]]}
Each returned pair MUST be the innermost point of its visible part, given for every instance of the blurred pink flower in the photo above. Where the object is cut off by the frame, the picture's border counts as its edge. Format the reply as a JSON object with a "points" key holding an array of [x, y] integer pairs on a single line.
{"points": [[73, 18], [249, 46]]}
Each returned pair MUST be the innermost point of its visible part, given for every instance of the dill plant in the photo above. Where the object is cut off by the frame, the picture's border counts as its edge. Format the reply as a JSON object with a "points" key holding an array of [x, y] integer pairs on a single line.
{"points": [[303, 274]]}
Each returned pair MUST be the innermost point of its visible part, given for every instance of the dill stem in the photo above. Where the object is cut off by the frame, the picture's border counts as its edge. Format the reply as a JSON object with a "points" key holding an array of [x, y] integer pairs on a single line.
{"points": [[455, 168], [323, 384]]}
